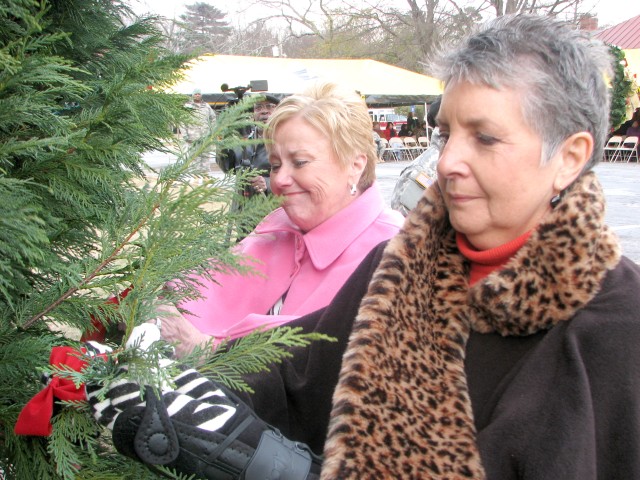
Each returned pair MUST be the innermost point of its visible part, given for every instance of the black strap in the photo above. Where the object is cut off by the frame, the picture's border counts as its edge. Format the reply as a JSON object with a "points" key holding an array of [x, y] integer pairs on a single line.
{"points": [[231, 437], [156, 441]]}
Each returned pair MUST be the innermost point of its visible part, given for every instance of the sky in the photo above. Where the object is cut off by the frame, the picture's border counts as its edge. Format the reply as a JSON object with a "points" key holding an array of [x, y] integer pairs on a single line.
{"points": [[610, 12]]}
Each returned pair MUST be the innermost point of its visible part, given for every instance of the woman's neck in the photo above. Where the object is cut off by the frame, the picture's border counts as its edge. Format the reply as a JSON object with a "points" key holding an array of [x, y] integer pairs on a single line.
{"points": [[483, 262]]}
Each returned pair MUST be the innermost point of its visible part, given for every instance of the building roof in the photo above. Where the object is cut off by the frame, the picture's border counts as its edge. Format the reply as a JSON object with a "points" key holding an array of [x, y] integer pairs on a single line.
{"points": [[625, 35]]}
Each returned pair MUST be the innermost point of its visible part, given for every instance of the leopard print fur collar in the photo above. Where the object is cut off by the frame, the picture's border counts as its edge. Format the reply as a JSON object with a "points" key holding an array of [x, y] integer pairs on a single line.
{"points": [[401, 408]]}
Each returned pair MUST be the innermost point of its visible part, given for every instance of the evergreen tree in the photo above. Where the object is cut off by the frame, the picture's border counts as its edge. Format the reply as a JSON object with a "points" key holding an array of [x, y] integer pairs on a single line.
{"points": [[203, 29], [621, 88], [82, 96]]}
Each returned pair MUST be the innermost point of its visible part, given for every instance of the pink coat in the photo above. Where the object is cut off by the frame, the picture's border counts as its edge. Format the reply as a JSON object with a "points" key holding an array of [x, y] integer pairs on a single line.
{"points": [[309, 267]]}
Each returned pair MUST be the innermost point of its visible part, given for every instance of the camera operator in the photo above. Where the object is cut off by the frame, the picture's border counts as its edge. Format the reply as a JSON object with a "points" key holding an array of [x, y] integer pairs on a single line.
{"points": [[252, 156], [257, 154]]}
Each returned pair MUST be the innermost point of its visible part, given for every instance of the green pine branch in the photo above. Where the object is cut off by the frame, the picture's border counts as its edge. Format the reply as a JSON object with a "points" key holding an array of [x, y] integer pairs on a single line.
{"points": [[253, 353]]}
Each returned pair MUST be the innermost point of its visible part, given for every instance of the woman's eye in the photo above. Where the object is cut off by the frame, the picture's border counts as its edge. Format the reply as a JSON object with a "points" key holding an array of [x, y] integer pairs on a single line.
{"points": [[275, 168], [300, 163], [487, 139]]}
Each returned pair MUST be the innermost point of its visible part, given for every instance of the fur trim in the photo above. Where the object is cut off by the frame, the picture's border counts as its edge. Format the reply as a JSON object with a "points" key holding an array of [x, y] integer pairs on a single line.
{"points": [[401, 408]]}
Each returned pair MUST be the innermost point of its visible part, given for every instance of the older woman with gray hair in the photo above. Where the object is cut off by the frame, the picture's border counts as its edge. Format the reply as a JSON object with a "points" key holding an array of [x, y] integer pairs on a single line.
{"points": [[499, 333]]}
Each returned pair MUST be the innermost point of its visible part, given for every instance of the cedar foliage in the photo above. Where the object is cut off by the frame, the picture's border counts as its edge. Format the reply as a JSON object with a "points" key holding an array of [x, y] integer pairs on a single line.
{"points": [[82, 97], [621, 89]]}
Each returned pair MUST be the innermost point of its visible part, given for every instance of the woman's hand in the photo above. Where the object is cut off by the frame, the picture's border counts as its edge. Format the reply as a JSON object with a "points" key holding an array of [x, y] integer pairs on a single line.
{"points": [[174, 327]]}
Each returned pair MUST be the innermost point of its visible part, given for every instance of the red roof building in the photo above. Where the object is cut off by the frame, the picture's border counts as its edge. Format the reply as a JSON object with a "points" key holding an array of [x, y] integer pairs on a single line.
{"points": [[625, 35]]}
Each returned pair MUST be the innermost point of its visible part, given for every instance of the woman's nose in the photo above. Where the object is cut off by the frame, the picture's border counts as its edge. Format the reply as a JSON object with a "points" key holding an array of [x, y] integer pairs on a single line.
{"points": [[451, 157], [281, 178]]}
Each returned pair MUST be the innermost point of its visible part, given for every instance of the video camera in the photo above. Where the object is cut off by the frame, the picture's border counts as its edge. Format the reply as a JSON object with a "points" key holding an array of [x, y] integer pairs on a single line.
{"points": [[241, 157], [254, 86]]}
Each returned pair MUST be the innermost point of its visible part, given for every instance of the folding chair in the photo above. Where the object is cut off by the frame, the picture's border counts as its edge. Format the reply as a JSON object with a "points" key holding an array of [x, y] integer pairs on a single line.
{"points": [[628, 149], [398, 150], [412, 147], [387, 152], [423, 142], [611, 148]]}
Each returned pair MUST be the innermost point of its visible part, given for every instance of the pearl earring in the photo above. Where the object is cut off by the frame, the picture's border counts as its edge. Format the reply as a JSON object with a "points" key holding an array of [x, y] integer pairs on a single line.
{"points": [[353, 189]]}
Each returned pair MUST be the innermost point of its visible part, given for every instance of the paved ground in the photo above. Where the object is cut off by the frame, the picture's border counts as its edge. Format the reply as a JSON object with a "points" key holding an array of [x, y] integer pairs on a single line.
{"points": [[621, 183]]}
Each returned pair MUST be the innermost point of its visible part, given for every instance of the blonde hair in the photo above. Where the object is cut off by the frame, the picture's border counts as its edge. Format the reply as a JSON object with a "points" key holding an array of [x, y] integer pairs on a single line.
{"points": [[340, 115]]}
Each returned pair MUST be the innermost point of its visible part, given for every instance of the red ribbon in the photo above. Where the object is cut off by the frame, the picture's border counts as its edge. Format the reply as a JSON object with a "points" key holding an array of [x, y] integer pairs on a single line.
{"points": [[35, 417], [98, 332]]}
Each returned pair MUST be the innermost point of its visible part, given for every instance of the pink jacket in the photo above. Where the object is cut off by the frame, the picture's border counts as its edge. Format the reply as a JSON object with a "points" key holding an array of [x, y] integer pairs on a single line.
{"points": [[309, 267]]}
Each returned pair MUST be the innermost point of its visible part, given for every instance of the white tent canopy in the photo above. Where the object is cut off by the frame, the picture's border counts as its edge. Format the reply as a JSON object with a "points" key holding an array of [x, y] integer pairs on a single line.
{"points": [[379, 83]]}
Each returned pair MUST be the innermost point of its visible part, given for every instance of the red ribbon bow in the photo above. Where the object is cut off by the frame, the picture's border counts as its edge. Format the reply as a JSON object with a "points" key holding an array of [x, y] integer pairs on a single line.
{"points": [[35, 417]]}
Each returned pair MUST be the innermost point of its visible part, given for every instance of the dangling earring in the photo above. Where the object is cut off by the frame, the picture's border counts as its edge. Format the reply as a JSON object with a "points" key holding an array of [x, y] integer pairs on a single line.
{"points": [[555, 200], [353, 190]]}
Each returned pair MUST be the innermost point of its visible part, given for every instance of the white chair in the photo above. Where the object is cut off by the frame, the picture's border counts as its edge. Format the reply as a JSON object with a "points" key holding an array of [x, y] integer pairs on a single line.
{"points": [[412, 147], [629, 149], [423, 143], [398, 150], [389, 152], [611, 148]]}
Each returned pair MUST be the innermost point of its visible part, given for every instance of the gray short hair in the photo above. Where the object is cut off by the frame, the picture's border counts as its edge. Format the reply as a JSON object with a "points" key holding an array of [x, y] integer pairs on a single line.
{"points": [[341, 115], [562, 72]]}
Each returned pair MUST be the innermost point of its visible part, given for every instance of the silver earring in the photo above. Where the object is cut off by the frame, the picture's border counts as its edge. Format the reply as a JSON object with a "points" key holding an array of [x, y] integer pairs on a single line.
{"points": [[353, 190], [555, 200]]}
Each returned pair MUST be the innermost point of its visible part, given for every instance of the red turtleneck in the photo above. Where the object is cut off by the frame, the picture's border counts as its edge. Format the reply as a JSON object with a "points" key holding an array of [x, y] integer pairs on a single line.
{"points": [[483, 262]]}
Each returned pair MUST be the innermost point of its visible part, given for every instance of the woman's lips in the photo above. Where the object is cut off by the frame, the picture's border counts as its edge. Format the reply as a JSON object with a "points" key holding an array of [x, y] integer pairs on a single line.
{"points": [[289, 194], [460, 198]]}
